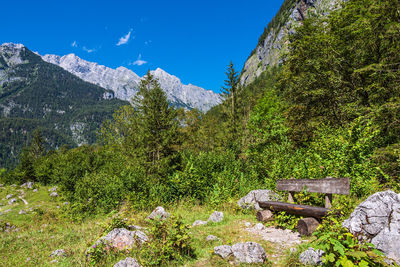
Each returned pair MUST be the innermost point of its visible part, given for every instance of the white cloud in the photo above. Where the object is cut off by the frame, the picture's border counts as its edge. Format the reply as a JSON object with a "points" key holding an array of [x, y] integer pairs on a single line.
{"points": [[74, 44], [88, 50], [139, 61], [124, 39]]}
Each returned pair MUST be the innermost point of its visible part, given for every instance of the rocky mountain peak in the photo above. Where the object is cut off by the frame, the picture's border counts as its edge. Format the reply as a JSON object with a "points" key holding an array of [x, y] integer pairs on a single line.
{"points": [[125, 83]]}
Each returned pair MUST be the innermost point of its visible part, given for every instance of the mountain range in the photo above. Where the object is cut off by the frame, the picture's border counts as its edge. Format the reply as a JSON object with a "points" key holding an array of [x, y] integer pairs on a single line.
{"points": [[125, 83]]}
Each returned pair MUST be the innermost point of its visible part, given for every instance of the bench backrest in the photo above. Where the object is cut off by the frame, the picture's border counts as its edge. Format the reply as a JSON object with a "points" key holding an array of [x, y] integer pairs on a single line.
{"points": [[339, 186]]}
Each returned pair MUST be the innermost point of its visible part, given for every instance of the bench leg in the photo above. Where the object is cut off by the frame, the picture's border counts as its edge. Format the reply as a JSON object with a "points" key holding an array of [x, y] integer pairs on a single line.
{"points": [[328, 201]]}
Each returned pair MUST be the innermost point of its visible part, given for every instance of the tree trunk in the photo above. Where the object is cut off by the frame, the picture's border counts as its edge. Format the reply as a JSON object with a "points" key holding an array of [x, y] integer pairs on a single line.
{"points": [[310, 211], [265, 216], [307, 226]]}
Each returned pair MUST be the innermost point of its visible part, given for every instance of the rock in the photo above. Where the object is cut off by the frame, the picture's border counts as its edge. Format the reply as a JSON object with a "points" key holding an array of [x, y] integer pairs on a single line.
{"points": [[311, 256], [54, 261], [9, 196], [6, 211], [128, 262], [13, 185], [249, 252], [259, 227], [223, 251], [53, 194], [250, 201], [21, 212], [58, 253], [217, 216], [28, 185], [211, 238], [12, 201], [247, 224], [265, 216], [198, 223], [65, 203], [377, 220], [159, 213], [27, 259], [53, 189], [121, 238], [35, 190], [1, 185]]}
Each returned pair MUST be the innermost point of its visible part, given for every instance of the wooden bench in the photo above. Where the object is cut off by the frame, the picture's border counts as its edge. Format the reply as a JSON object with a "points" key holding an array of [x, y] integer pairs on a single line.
{"points": [[327, 186]]}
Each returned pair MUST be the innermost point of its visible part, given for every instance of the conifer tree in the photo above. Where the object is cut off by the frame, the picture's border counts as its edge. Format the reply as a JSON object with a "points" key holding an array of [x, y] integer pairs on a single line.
{"points": [[229, 92]]}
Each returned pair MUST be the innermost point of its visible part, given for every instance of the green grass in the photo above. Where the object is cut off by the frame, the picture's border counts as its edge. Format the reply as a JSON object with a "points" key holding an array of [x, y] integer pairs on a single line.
{"points": [[46, 229]]}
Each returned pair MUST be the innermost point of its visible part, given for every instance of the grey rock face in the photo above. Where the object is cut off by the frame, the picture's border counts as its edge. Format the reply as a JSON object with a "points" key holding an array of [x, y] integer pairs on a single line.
{"points": [[211, 238], [311, 256], [159, 213], [223, 251], [12, 201], [377, 220], [250, 201], [249, 252], [58, 253], [198, 223], [53, 194], [217, 216], [128, 262], [121, 238]]}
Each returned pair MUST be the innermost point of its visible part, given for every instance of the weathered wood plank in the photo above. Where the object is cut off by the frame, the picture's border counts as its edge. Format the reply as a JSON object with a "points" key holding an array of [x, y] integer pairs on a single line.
{"points": [[303, 210], [328, 185]]}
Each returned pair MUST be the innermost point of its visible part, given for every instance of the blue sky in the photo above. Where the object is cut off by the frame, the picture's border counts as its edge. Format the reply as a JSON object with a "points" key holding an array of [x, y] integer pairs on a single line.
{"points": [[194, 40]]}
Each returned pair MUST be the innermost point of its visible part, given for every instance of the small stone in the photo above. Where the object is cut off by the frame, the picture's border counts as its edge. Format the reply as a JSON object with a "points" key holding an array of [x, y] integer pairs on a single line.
{"points": [[9, 196], [65, 203], [217, 216], [27, 259], [13, 185], [247, 224], [28, 185], [21, 212], [12, 201], [128, 262], [54, 261], [54, 194], [311, 256], [58, 253], [223, 251], [249, 252], [53, 189], [198, 223], [35, 190], [6, 211], [159, 213], [121, 238], [259, 227], [212, 238]]}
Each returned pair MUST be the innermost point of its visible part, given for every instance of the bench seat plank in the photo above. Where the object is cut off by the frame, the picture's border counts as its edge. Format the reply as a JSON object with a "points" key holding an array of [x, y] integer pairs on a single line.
{"points": [[295, 209], [339, 186]]}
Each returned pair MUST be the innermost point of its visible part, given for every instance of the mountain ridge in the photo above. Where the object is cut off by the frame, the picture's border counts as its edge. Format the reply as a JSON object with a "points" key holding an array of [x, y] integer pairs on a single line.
{"points": [[125, 83]]}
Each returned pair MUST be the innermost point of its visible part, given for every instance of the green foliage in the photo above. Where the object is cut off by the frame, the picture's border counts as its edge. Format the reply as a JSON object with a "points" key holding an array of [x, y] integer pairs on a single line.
{"points": [[170, 242], [342, 248]]}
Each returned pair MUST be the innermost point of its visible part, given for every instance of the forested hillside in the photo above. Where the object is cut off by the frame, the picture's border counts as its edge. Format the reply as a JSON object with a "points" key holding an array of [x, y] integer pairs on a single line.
{"points": [[38, 95], [330, 109]]}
